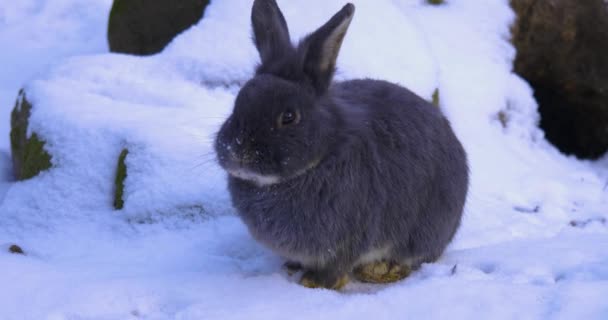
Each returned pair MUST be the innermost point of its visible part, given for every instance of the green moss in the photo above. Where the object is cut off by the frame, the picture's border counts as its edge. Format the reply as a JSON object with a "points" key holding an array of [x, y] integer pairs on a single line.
{"points": [[435, 2], [36, 159], [29, 156], [119, 182], [435, 98], [503, 118]]}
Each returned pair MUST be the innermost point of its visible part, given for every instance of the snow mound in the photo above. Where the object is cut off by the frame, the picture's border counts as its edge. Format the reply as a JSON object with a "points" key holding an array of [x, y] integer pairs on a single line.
{"points": [[165, 110], [370, 43], [530, 246]]}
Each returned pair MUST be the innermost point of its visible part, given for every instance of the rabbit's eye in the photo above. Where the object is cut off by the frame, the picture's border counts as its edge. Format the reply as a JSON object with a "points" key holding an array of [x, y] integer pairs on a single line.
{"points": [[289, 117]]}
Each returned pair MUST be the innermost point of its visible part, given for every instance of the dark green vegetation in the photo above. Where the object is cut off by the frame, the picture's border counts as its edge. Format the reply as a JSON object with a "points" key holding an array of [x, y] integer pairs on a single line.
{"points": [[119, 182], [435, 98], [29, 156]]}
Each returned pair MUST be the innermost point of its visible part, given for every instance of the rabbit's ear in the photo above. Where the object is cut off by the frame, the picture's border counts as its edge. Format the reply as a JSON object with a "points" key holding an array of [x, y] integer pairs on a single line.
{"points": [[270, 33], [321, 48]]}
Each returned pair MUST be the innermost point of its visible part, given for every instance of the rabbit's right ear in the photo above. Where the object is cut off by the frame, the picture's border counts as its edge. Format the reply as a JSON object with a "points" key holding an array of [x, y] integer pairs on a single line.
{"points": [[321, 48], [271, 36]]}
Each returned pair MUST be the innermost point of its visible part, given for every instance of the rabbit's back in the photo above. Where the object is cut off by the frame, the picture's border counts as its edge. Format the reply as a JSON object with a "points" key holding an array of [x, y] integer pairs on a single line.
{"points": [[419, 172], [420, 168]]}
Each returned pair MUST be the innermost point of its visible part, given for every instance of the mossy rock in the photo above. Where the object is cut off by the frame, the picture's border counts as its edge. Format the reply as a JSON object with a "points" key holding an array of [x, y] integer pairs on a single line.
{"points": [[119, 182], [562, 51], [29, 156], [145, 27]]}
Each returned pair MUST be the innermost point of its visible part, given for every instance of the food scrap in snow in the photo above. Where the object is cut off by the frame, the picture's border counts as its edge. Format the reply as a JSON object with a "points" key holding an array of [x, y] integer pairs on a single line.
{"points": [[584, 223], [15, 249], [534, 209]]}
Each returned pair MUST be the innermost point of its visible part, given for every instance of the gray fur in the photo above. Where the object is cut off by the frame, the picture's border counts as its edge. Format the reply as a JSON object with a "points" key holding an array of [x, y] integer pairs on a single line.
{"points": [[370, 167]]}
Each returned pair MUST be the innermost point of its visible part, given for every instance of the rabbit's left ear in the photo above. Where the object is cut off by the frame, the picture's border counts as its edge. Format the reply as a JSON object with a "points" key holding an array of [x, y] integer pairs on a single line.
{"points": [[321, 48], [270, 33]]}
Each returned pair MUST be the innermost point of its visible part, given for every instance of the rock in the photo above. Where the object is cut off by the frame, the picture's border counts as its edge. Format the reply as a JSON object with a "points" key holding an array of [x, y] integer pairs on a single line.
{"points": [[119, 182], [29, 156], [144, 27], [562, 51]]}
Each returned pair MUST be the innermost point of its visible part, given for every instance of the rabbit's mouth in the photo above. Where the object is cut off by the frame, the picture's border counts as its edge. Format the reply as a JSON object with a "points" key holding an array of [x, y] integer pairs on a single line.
{"points": [[261, 180], [311, 165], [264, 180]]}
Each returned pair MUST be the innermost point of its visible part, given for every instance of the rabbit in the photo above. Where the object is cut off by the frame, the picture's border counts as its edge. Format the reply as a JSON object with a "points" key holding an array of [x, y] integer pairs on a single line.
{"points": [[361, 177]]}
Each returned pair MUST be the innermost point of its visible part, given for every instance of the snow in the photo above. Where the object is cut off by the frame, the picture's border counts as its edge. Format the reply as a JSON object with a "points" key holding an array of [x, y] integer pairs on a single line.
{"points": [[531, 246], [35, 34]]}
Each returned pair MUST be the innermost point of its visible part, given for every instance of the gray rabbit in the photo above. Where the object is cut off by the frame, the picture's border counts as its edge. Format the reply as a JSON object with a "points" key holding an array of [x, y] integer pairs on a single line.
{"points": [[361, 177]]}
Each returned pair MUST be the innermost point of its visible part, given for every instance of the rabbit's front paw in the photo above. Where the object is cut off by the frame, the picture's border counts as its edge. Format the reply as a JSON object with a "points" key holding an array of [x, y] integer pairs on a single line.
{"points": [[292, 267], [320, 279], [381, 272]]}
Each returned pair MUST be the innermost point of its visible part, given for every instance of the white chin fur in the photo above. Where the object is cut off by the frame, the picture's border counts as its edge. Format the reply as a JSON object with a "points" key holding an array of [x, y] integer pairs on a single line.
{"points": [[260, 180]]}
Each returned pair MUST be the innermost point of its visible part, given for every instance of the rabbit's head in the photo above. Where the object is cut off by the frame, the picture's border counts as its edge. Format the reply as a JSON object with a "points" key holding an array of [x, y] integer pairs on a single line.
{"points": [[282, 124]]}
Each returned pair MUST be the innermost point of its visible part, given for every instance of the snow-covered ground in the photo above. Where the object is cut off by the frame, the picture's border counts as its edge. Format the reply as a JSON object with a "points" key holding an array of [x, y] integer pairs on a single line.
{"points": [[532, 244]]}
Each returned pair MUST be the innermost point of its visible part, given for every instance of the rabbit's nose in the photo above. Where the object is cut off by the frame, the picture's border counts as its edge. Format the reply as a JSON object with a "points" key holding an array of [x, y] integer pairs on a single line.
{"points": [[248, 157], [233, 155], [241, 156]]}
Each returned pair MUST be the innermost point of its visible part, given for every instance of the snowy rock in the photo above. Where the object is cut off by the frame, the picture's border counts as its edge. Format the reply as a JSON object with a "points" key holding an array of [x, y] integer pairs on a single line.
{"points": [[562, 51], [89, 109], [145, 27]]}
